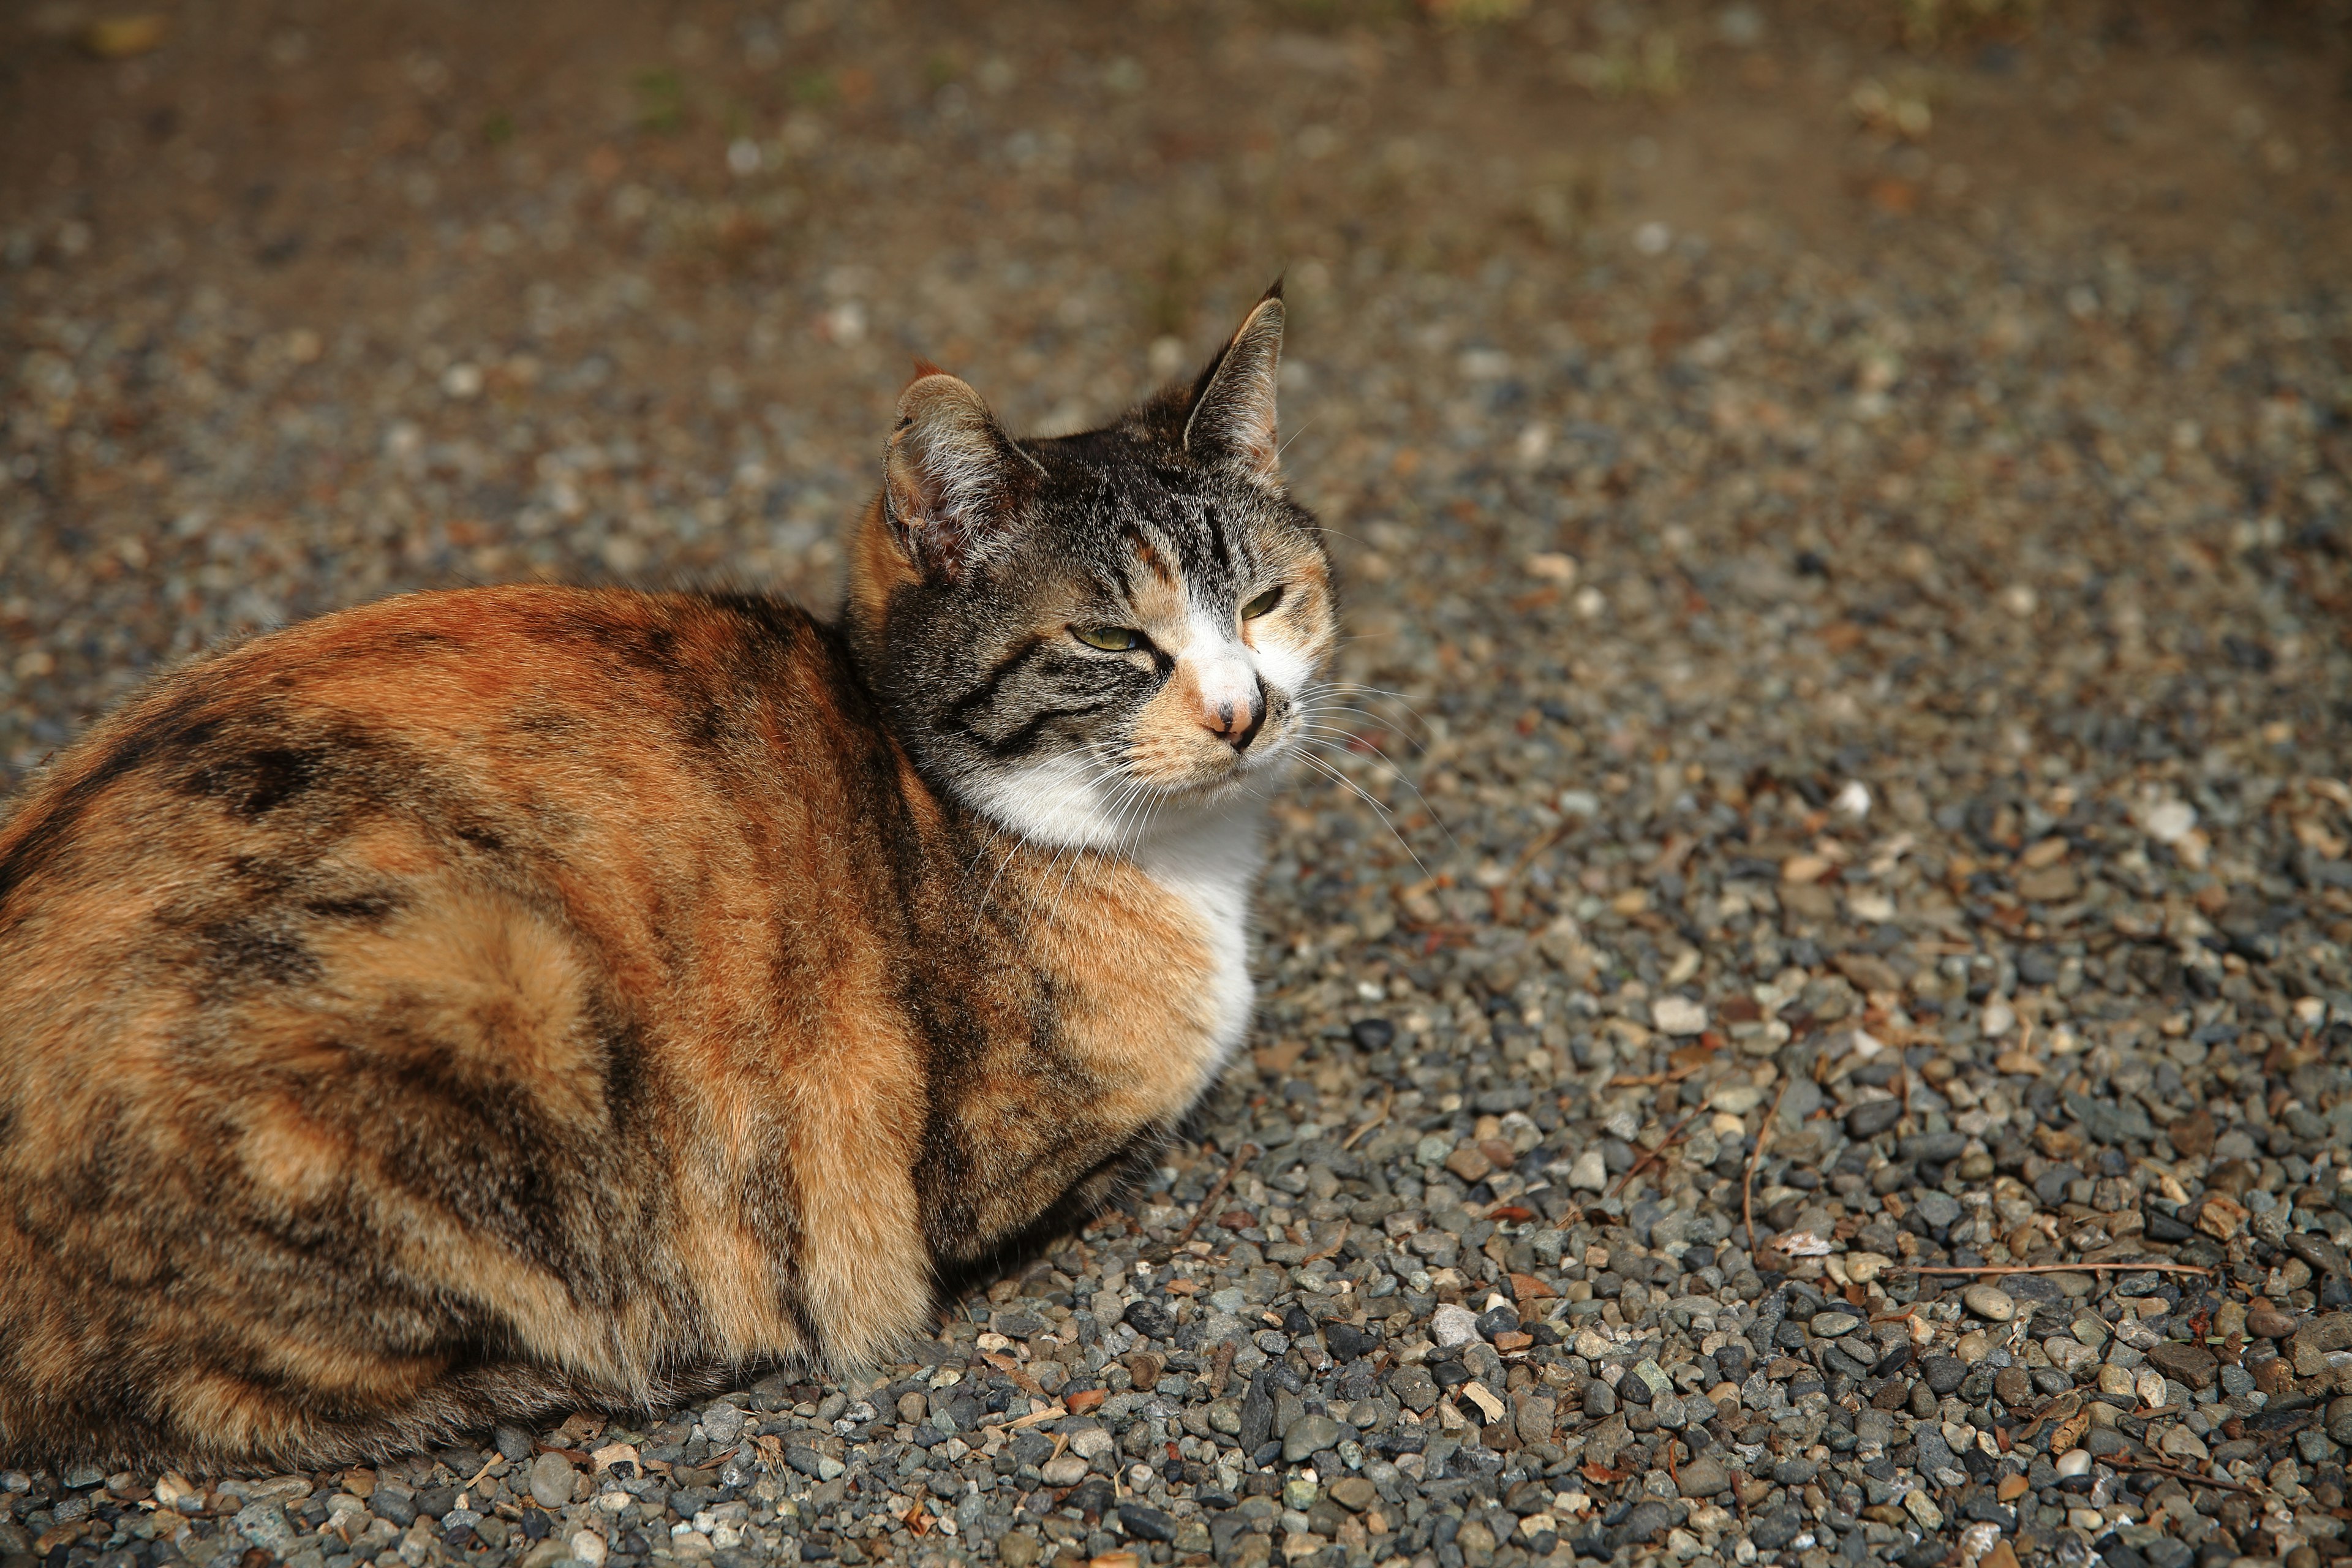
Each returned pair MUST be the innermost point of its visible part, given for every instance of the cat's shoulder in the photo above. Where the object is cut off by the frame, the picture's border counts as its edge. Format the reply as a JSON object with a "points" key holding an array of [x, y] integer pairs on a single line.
{"points": [[436, 671]]}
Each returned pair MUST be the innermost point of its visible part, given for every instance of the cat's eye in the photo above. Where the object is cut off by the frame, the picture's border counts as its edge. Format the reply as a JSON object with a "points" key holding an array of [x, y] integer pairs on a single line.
{"points": [[1263, 603], [1110, 639]]}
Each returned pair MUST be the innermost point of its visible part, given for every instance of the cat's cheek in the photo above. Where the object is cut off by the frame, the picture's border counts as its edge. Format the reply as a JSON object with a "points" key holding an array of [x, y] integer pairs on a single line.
{"points": [[1288, 669], [1168, 745]]}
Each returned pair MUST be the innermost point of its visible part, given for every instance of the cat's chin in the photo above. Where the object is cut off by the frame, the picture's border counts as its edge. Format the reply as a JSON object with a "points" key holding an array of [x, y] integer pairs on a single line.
{"points": [[1054, 804], [1249, 781]]}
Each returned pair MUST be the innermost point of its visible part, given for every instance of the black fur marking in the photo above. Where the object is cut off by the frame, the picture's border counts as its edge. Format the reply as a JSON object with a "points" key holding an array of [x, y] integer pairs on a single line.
{"points": [[248, 950], [1023, 740], [176, 729], [371, 908], [993, 681], [259, 782]]}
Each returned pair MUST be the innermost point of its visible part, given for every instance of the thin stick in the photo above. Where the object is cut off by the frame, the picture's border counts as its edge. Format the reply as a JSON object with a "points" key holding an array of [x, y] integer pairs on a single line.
{"points": [[2051, 1268], [1544, 841], [1337, 1242], [1748, 1177], [2120, 1462], [1241, 1156], [1387, 1100], [1643, 1163]]}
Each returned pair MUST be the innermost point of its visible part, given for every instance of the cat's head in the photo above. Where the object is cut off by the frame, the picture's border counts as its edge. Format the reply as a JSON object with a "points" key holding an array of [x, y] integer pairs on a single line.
{"points": [[1085, 634]]}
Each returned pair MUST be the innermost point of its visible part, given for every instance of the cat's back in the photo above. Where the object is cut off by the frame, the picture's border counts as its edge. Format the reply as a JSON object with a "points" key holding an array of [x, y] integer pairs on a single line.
{"points": [[452, 923], [551, 794]]}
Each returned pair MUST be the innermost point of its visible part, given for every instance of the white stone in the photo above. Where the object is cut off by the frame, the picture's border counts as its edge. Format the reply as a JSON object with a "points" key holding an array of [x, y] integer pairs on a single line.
{"points": [[1735, 1098], [1454, 1325], [2167, 821], [589, 1547], [2073, 1462], [1590, 1174], [1679, 1016]]}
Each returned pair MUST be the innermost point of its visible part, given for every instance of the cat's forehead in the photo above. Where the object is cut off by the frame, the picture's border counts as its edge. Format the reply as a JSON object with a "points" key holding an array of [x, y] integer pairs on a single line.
{"points": [[1150, 522]]}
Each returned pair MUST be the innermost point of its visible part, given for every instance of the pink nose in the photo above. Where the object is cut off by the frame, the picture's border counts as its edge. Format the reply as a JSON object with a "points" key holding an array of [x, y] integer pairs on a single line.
{"points": [[1234, 716]]}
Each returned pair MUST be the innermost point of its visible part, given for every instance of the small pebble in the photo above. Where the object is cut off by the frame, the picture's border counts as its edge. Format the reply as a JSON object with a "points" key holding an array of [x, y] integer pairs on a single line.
{"points": [[1990, 1303]]}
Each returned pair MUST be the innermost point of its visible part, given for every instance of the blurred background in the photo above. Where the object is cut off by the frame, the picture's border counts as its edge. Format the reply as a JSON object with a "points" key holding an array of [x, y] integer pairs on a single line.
{"points": [[1603, 312]]}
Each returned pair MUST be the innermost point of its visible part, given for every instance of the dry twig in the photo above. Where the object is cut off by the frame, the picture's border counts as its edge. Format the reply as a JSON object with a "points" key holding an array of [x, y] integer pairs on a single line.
{"points": [[1643, 1163], [2121, 1462], [1337, 1242], [1748, 1177], [2050, 1268], [1241, 1156], [1387, 1099]]}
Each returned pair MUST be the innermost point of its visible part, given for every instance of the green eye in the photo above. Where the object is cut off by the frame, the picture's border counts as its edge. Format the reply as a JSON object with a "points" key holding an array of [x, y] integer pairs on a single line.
{"points": [[1262, 603], [1110, 639]]}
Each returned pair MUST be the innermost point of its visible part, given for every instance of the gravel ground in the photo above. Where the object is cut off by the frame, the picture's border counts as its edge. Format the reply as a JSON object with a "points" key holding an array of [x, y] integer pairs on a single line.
{"points": [[1848, 549]]}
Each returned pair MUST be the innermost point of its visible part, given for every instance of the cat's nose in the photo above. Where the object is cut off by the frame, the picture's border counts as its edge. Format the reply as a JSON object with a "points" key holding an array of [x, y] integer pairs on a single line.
{"points": [[1235, 713]]}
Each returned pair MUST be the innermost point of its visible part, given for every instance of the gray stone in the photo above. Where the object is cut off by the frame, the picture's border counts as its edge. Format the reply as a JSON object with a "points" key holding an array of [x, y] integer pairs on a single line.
{"points": [[1308, 1435], [1648, 1520], [723, 1424], [2111, 1120], [1703, 1477], [1938, 1209], [551, 1480], [1873, 1117], [1932, 1148], [263, 1524]]}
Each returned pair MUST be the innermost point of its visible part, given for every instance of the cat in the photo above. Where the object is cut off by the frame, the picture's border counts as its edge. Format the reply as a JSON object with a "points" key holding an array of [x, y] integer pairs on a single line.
{"points": [[485, 1003]]}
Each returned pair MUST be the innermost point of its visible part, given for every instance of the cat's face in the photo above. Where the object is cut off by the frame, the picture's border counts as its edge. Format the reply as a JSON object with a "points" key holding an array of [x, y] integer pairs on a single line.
{"points": [[1090, 636]]}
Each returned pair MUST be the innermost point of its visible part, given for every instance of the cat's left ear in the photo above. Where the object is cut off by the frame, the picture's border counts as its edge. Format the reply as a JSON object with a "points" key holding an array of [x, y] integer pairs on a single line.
{"points": [[951, 477], [1231, 417]]}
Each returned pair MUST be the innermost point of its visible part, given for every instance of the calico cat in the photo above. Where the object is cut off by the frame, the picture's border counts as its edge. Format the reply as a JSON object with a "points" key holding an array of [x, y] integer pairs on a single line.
{"points": [[485, 1003]]}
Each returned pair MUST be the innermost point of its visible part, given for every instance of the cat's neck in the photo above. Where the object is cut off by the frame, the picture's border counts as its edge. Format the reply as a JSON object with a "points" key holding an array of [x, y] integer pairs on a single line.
{"points": [[1064, 805]]}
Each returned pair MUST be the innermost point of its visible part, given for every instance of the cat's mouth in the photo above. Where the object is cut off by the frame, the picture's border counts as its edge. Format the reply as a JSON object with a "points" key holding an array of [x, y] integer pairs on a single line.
{"points": [[1216, 780]]}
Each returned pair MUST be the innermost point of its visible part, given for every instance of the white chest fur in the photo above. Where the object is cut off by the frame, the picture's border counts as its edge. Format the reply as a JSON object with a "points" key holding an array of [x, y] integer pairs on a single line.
{"points": [[1212, 866]]}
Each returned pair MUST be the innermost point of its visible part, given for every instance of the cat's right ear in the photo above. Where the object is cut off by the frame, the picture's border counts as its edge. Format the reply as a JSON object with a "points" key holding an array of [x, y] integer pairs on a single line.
{"points": [[951, 476]]}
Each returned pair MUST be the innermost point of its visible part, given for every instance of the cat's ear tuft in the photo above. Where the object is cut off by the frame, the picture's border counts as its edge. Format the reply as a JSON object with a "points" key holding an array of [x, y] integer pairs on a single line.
{"points": [[950, 474], [1231, 417]]}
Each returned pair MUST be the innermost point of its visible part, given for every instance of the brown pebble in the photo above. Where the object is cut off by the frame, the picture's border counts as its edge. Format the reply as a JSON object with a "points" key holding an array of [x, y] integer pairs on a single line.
{"points": [[1144, 1368], [2266, 1322], [2192, 1136], [2015, 1386], [1469, 1163]]}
